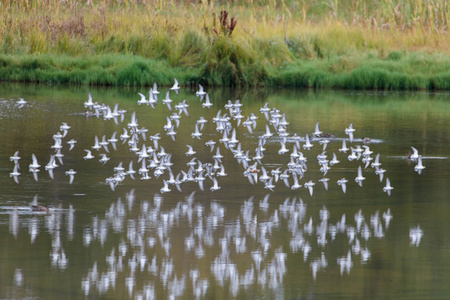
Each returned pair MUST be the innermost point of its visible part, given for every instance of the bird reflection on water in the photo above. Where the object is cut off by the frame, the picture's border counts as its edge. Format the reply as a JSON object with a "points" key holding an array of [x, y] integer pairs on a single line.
{"points": [[208, 235], [158, 238]]}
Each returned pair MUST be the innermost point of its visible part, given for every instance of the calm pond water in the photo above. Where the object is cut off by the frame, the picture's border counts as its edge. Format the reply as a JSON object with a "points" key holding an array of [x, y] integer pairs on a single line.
{"points": [[244, 240]]}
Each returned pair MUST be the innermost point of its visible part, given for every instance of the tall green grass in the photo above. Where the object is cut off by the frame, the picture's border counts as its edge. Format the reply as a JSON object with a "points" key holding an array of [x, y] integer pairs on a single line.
{"points": [[399, 71], [116, 70]]}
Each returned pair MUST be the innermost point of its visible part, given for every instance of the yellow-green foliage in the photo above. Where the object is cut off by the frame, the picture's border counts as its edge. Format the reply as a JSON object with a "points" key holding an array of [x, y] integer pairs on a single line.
{"points": [[269, 35], [176, 30]]}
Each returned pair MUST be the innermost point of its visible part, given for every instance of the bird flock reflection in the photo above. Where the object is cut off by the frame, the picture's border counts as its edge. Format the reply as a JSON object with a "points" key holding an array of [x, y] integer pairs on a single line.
{"points": [[187, 248], [240, 250]]}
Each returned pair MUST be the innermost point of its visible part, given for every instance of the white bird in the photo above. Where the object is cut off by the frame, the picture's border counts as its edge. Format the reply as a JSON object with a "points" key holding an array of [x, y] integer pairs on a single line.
{"points": [[325, 182], [218, 156], [349, 131], [59, 156], [388, 188], [116, 113], [142, 100], [200, 93], [283, 148], [317, 131], [104, 143], [124, 136], [249, 125], [265, 110], [107, 115], [165, 188], [176, 118], [334, 161], [215, 186], [21, 103], [221, 172], [15, 157], [103, 158], [415, 155], [276, 174], [131, 171], [344, 147], [376, 164], [172, 132], [155, 90], [343, 183], [35, 173], [168, 101], [175, 86], [152, 98], [89, 103], [353, 155], [96, 144], [15, 173], [295, 185], [190, 151], [88, 155], [359, 179], [367, 151], [380, 172], [307, 145], [155, 139], [196, 134], [34, 164], [264, 176], [71, 173], [57, 138], [199, 179], [324, 142], [269, 184], [182, 107], [112, 183], [64, 128], [143, 153], [207, 102], [50, 166], [309, 185], [210, 144], [133, 123], [419, 167], [143, 169], [202, 121], [71, 143], [113, 140]]}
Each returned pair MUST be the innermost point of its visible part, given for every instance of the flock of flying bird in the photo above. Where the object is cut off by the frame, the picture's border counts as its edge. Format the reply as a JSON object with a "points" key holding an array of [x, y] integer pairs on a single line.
{"points": [[154, 158], [155, 162]]}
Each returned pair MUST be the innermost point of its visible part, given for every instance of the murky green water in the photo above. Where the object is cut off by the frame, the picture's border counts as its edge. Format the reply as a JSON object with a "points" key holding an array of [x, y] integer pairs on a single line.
{"points": [[136, 242]]}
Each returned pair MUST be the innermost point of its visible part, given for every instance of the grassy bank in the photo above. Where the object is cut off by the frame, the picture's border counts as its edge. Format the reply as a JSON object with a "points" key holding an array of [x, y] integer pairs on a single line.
{"points": [[108, 69], [400, 71], [381, 44]]}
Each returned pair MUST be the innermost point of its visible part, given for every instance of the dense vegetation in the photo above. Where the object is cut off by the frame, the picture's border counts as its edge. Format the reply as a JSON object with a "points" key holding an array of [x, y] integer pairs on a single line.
{"points": [[380, 44]]}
